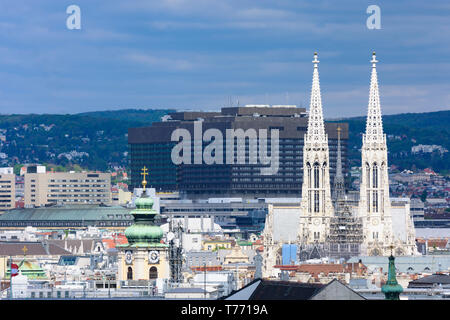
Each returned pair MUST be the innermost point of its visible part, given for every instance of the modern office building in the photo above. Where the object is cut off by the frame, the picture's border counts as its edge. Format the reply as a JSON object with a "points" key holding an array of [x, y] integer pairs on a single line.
{"points": [[7, 189], [229, 214], [241, 174], [43, 188]]}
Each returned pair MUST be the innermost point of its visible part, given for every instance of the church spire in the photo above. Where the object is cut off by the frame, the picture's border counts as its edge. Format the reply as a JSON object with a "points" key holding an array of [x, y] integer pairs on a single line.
{"points": [[316, 129], [374, 201], [316, 195], [374, 123], [392, 289], [338, 185]]}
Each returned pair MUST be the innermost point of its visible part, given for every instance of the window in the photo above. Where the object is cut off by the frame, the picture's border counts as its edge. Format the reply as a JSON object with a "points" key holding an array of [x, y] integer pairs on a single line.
{"points": [[367, 175], [309, 174], [375, 201], [375, 175], [153, 273], [130, 274], [316, 201], [316, 175]]}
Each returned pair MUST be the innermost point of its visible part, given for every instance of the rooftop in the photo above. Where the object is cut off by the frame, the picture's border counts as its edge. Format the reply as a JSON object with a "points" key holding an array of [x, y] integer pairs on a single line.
{"points": [[75, 212]]}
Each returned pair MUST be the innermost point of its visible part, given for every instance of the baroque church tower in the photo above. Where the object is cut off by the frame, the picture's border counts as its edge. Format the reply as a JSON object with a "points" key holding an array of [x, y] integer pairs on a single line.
{"points": [[316, 206], [374, 203]]}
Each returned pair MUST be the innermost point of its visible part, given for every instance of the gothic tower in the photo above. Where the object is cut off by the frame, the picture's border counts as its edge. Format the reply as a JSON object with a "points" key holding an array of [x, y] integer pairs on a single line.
{"points": [[316, 206], [269, 258], [339, 182], [374, 203]]}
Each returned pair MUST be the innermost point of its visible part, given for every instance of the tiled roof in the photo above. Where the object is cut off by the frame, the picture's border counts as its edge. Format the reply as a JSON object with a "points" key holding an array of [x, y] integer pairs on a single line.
{"points": [[435, 278], [10, 248], [284, 290], [439, 243], [316, 269]]}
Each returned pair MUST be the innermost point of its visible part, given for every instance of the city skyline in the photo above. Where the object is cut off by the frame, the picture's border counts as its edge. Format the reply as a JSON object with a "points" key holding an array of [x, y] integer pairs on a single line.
{"points": [[200, 55]]}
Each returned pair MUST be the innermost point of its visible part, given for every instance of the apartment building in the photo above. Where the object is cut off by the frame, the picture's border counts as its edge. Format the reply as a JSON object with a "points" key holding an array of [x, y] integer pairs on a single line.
{"points": [[68, 188], [7, 189]]}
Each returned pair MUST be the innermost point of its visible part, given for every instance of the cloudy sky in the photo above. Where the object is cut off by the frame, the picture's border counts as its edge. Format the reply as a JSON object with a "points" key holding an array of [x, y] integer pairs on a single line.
{"points": [[204, 54]]}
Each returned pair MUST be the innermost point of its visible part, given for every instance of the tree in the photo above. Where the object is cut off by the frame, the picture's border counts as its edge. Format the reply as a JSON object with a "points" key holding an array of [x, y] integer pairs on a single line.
{"points": [[423, 197]]}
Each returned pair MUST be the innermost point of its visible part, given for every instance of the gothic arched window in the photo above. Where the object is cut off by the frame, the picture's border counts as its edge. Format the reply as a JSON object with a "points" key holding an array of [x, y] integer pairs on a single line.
{"points": [[368, 185], [308, 166], [375, 175], [323, 173], [316, 175], [367, 175], [130, 274]]}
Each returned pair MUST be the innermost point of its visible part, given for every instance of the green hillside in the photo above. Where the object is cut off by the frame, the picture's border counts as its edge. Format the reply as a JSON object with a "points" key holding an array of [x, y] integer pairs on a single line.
{"points": [[404, 131], [144, 116], [98, 140]]}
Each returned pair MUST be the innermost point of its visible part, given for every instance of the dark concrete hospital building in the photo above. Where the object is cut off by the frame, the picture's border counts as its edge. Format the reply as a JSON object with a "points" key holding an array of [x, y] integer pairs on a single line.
{"points": [[152, 147]]}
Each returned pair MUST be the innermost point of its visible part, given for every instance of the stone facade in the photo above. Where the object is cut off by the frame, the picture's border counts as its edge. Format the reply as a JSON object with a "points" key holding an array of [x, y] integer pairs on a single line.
{"points": [[316, 205]]}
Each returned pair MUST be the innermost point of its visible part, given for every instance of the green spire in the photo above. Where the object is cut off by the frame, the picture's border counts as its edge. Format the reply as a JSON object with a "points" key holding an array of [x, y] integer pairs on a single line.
{"points": [[392, 289]]}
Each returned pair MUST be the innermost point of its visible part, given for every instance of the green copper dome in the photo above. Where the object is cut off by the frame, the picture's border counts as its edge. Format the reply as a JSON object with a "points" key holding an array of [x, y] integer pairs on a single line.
{"points": [[145, 203], [144, 232], [141, 234]]}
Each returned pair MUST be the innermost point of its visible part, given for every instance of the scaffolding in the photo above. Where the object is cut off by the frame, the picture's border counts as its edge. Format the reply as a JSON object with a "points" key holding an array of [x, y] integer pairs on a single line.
{"points": [[344, 238], [346, 232], [175, 252]]}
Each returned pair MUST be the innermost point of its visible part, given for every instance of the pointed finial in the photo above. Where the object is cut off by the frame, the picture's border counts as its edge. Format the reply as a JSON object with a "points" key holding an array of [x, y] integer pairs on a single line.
{"points": [[374, 59], [144, 173], [315, 61]]}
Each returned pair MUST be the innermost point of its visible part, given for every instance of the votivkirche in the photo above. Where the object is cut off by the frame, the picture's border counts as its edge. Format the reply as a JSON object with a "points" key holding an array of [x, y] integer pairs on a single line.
{"points": [[372, 215]]}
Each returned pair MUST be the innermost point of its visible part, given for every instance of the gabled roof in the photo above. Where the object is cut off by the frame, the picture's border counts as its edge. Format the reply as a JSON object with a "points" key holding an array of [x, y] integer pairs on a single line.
{"points": [[434, 278], [261, 289], [278, 290], [337, 291]]}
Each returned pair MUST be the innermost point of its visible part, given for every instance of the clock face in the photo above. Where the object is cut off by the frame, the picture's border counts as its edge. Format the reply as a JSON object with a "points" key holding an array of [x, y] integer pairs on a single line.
{"points": [[128, 257], [316, 222], [375, 221], [153, 256]]}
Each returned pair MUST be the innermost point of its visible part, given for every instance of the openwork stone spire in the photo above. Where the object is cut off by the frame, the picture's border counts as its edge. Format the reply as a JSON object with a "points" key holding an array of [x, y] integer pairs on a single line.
{"points": [[374, 202], [338, 185], [316, 206], [374, 123], [316, 129]]}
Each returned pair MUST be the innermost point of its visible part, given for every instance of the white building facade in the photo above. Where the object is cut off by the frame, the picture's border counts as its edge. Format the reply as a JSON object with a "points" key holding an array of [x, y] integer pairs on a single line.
{"points": [[316, 205]]}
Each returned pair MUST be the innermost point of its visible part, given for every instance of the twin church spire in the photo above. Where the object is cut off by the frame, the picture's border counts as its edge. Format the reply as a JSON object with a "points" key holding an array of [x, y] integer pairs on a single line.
{"points": [[316, 206], [316, 129], [374, 124]]}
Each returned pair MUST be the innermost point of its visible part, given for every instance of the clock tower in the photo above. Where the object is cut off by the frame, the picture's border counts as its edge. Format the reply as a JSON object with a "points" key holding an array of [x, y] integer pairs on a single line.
{"points": [[144, 257]]}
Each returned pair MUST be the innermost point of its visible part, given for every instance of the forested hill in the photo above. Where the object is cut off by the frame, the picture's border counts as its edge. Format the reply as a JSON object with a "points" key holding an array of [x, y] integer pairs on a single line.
{"points": [[404, 131], [94, 140], [98, 140], [143, 116]]}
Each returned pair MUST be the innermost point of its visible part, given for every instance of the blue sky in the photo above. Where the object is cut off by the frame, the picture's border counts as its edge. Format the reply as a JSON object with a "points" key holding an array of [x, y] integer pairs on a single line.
{"points": [[200, 54]]}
